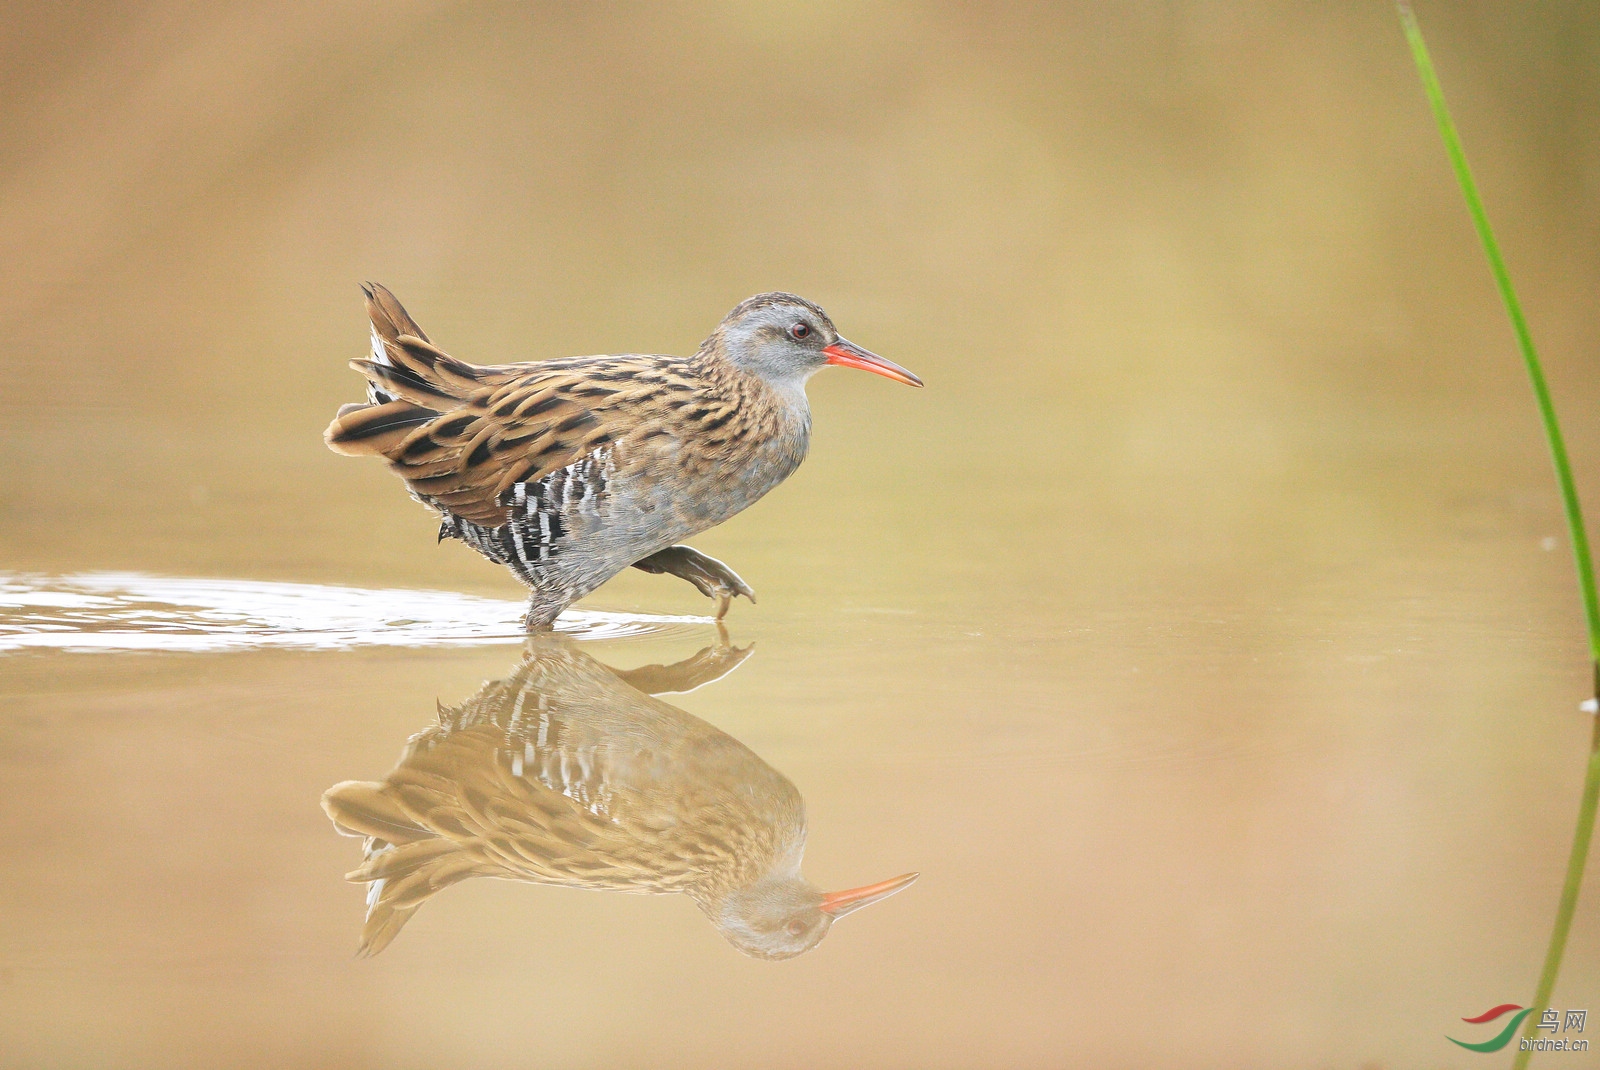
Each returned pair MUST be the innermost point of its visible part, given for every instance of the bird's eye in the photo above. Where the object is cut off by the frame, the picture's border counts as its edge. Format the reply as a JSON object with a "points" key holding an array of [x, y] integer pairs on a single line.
{"points": [[799, 331], [796, 927]]}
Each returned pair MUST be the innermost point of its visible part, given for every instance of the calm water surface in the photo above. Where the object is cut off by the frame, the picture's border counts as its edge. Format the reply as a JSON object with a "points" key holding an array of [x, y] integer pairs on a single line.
{"points": [[1203, 634]]}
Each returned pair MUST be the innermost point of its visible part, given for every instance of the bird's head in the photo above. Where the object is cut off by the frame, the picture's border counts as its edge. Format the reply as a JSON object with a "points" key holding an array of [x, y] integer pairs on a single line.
{"points": [[786, 339], [782, 917]]}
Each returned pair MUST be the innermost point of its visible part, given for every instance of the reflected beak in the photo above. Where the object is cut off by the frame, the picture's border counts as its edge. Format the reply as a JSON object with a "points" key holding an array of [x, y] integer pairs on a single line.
{"points": [[841, 903], [849, 355]]}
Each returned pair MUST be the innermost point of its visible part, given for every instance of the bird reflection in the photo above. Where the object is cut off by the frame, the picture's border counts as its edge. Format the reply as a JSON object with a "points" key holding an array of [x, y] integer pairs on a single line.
{"points": [[570, 773]]}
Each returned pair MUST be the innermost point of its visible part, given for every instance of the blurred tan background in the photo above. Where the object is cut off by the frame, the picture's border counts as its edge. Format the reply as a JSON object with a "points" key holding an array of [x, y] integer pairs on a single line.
{"points": [[1129, 230], [1205, 631]]}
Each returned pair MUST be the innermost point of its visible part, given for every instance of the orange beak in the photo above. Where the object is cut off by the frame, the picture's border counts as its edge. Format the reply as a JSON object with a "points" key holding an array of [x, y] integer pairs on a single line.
{"points": [[841, 903], [849, 355]]}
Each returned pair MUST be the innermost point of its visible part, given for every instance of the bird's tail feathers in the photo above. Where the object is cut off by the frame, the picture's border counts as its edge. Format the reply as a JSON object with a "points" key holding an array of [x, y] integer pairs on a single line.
{"points": [[362, 430], [389, 317], [412, 382]]}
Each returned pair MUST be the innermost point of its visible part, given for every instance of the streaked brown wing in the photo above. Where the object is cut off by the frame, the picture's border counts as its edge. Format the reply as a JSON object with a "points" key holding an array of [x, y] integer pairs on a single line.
{"points": [[462, 435]]}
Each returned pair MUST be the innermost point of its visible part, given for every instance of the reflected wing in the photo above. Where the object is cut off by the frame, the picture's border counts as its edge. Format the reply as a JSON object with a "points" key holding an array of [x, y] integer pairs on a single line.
{"points": [[508, 806]]}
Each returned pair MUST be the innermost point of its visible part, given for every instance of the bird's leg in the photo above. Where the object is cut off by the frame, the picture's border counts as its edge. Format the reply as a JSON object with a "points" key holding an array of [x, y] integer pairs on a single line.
{"points": [[711, 577], [540, 619]]}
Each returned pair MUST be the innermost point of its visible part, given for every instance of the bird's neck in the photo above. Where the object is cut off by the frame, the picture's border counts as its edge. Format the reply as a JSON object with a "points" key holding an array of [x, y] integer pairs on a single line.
{"points": [[780, 401]]}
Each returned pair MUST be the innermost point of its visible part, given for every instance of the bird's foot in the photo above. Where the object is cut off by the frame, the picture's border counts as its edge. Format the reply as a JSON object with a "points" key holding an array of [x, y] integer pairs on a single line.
{"points": [[710, 577]]}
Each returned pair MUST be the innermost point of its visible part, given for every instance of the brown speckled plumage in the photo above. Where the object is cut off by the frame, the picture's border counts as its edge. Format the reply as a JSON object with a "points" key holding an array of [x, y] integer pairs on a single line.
{"points": [[568, 471]]}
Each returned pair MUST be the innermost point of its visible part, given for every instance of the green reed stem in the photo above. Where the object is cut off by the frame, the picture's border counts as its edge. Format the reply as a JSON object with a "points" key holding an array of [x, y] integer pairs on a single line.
{"points": [[1569, 496]]}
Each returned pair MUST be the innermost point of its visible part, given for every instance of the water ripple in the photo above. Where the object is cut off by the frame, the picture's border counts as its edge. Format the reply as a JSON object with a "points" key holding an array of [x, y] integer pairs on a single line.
{"points": [[123, 611]]}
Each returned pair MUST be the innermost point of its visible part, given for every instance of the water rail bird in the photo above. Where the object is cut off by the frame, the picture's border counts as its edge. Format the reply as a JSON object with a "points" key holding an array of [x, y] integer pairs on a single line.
{"points": [[568, 773], [568, 471]]}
